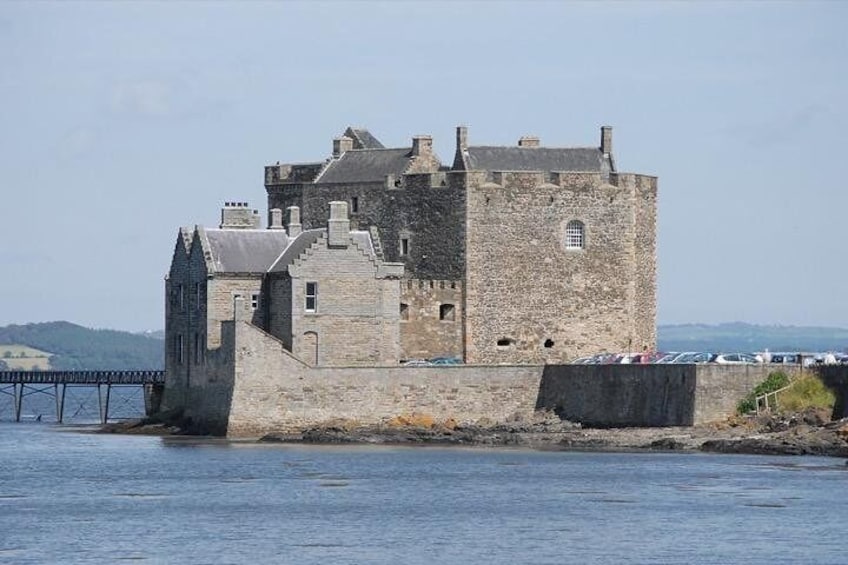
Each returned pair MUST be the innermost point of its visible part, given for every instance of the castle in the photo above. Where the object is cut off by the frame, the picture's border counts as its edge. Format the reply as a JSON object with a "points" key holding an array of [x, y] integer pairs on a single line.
{"points": [[374, 255], [520, 254]]}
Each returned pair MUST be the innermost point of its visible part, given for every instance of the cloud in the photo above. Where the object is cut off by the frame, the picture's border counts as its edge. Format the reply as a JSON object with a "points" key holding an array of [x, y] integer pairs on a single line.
{"points": [[146, 97]]}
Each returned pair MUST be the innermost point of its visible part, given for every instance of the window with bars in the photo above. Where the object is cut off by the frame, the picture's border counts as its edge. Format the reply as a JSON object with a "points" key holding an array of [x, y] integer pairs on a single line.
{"points": [[575, 237]]}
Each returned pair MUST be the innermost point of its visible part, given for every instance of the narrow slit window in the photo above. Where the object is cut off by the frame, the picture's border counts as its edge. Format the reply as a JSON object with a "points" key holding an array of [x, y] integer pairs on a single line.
{"points": [[197, 296], [178, 348], [311, 296], [404, 246], [404, 312], [354, 204]]}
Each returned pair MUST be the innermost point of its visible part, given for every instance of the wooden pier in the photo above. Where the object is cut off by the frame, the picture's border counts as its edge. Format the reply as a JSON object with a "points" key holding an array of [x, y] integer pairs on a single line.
{"points": [[20, 384]]}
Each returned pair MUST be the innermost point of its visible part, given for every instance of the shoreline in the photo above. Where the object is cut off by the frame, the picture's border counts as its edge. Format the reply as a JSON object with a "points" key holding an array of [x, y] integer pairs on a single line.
{"points": [[807, 433]]}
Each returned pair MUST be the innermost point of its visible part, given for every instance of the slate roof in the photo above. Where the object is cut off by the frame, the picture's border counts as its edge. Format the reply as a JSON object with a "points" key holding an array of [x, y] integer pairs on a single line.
{"points": [[366, 165], [362, 139], [546, 159], [244, 251], [306, 238]]}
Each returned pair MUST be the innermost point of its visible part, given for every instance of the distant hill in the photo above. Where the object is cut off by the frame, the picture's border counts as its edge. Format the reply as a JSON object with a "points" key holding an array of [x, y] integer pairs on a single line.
{"points": [[74, 347], [739, 336]]}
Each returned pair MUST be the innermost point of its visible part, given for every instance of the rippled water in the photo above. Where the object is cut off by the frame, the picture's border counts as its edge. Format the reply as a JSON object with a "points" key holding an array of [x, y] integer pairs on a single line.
{"points": [[85, 498]]}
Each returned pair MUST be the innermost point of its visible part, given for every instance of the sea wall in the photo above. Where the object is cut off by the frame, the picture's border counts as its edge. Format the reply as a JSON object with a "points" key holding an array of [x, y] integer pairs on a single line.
{"points": [[253, 386], [276, 392]]}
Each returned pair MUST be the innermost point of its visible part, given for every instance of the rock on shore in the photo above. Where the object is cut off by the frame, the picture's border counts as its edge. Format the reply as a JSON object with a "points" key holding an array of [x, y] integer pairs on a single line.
{"points": [[797, 434]]}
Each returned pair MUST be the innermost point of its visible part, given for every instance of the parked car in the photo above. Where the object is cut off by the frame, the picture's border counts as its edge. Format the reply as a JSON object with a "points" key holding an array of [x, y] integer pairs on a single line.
{"points": [[736, 359], [694, 357], [445, 361]]}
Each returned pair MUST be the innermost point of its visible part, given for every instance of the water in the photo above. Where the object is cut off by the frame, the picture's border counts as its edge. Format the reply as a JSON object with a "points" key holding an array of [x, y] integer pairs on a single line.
{"points": [[83, 498]]}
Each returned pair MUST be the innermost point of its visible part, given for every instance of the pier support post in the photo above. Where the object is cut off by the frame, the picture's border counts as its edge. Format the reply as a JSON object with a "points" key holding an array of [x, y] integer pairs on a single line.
{"points": [[104, 405], [60, 402], [19, 397]]}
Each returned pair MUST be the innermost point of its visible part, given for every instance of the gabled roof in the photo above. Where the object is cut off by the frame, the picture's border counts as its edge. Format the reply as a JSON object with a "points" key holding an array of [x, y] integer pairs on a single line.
{"points": [[366, 165], [243, 251], [362, 139], [536, 159], [303, 241], [297, 246]]}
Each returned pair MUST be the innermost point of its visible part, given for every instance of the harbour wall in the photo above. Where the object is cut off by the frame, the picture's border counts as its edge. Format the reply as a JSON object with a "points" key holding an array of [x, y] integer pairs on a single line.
{"points": [[252, 386]]}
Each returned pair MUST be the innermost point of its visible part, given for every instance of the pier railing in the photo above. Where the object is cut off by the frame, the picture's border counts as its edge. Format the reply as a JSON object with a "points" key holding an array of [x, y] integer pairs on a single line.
{"points": [[22, 384]]}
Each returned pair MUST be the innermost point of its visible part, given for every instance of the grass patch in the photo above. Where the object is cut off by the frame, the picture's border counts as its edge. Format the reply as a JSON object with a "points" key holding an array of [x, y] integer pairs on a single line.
{"points": [[776, 380], [806, 392]]}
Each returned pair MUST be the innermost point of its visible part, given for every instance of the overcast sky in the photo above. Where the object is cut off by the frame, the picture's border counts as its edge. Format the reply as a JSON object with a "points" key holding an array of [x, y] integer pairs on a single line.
{"points": [[120, 122]]}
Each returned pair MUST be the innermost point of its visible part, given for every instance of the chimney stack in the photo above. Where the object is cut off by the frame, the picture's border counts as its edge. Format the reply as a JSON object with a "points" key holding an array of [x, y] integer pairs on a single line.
{"points": [[422, 145], [606, 140], [341, 145], [293, 222], [338, 228], [461, 138], [238, 216], [275, 219], [528, 141]]}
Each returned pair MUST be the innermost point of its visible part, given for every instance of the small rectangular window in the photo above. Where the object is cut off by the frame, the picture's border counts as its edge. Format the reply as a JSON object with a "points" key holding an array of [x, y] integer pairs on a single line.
{"points": [[404, 312], [311, 296], [447, 312], [254, 301], [354, 204], [404, 246], [181, 297]]}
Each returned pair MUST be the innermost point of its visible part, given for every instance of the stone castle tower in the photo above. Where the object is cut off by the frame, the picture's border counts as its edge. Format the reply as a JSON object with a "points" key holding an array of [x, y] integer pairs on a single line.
{"points": [[523, 254]]}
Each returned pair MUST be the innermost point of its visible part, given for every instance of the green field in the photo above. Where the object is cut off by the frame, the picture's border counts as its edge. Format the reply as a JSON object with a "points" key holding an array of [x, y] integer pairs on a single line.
{"points": [[24, 358]]}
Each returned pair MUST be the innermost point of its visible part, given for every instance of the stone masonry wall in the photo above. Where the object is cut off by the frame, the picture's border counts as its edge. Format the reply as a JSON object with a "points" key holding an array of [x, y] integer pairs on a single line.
{"points": [[274, 391], [254, 384], [426, 209], [644, 189], [423, 334], [356, 320], [581, 300]]}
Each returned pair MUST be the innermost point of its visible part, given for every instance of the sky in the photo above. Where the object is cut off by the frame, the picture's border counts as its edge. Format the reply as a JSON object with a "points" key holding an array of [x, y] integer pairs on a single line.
{"points": [[121, 121]]}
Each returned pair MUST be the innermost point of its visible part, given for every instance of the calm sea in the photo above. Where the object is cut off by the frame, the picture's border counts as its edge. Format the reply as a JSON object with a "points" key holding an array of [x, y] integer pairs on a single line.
{"points": [[68, 497]]}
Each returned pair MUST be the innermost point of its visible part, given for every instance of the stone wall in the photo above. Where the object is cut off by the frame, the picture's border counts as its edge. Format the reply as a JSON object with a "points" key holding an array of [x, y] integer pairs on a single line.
{"points": [[582, 300], [431, 319], [356, 319], [426, 209], [274, 391], [252, 386], [622, 395]]}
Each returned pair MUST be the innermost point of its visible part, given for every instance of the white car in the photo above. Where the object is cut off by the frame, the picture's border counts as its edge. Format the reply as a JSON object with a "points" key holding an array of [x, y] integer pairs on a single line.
{"points": [[736, 359]]}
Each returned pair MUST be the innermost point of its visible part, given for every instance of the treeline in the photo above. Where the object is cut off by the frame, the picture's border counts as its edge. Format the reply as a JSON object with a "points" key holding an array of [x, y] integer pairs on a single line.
{"points": [[74, 347]]}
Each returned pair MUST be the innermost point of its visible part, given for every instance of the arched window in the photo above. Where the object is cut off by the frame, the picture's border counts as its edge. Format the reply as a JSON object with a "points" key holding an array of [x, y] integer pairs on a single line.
{"points": [[575, 235]]}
